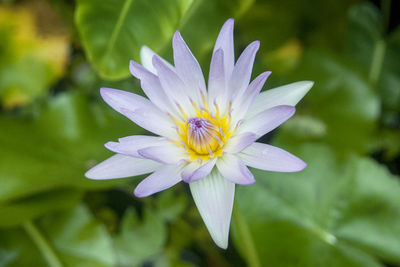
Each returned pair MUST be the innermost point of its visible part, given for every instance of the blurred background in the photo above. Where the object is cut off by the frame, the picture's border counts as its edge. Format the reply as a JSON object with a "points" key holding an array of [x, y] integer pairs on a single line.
{"points": [[342, 210]]}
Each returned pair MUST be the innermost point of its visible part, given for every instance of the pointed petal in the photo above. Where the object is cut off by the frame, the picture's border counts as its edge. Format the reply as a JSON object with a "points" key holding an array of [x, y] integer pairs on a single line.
{"points": [[270, 158], [146, 58], [119, 99], [162, 179], [241, 104], [233, 169], [188, 68], [173, 85], [217, 90], [120, 166], [267, 120], [153, 121], [167, 153], [289, 94], [134, 106], [151, 87], [195, 171], [225, 42], [213, 196], [239, 142], [242, 71], [131, 144]]}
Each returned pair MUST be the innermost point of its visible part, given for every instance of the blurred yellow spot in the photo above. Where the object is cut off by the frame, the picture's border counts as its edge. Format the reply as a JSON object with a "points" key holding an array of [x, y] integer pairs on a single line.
{"points": [[32, 58], [285, 58]]}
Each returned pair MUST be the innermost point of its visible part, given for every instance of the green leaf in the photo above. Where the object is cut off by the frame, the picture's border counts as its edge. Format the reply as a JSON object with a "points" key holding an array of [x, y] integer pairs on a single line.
{"points": [[202, 23], [342, 107], [346, 211], [113, 31], [365, 30], [73, 236], [169, 205], [377, 53], [55, 149], [138, 241], [19, 211]]}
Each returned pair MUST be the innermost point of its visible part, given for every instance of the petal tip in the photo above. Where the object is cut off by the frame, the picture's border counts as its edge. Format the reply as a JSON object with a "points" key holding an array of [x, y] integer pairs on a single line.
{"points": [[177, 35], [229, 23], [137, 193], [111, 145], [302, 166], [92, 175], [132, 67]]}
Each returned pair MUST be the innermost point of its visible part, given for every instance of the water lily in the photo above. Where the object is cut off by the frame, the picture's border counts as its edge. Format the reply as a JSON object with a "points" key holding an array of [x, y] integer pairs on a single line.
{"points": [[206, 133]]}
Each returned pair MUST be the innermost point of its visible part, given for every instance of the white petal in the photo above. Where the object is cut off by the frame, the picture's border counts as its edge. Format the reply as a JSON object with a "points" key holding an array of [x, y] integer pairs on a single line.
{"points": [[217, 90], [162, 179], [120, 166], [131, 144], [173, 85], [267, 120], [289, 94], [233, 169], [119, 99], [167, 153], [213, 196], [188, 68], [146, 58], [241, 105], [225, 42], [151, 87], [241, 73], [195, 171], [153, 121], [134, 106], [270, 158], [239, 142]]}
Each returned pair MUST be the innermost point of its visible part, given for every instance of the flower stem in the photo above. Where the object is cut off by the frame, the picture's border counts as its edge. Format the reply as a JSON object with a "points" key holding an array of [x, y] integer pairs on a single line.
{"points": [[43, 245], [377, 61], [245, 238]]}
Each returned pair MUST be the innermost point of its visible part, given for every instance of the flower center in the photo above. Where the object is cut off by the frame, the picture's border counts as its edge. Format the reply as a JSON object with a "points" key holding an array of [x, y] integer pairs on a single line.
{"points": [[203, 136]]}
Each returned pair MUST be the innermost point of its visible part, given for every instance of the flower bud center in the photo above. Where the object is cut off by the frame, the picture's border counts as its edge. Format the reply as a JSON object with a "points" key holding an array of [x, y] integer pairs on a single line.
{"points": [[203, 136]]}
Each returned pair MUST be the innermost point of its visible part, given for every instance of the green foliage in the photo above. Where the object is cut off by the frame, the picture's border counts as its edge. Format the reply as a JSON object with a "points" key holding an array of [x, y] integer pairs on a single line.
{"points": [[74, 236], [21, 210], [337, 84], [50, 158], [337, 212], [342, 210], [151, 233], [112, 32], [22, 44]]}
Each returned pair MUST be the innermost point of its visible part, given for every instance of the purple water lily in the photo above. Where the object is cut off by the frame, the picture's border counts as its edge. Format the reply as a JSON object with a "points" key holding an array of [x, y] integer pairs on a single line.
{"points": [[206, 133]]}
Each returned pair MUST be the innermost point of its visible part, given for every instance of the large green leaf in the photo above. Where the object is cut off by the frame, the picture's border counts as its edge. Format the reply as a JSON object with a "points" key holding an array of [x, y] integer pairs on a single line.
{"points": [[334, 213], [74, 237], [112, 32], [55, 149]]}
